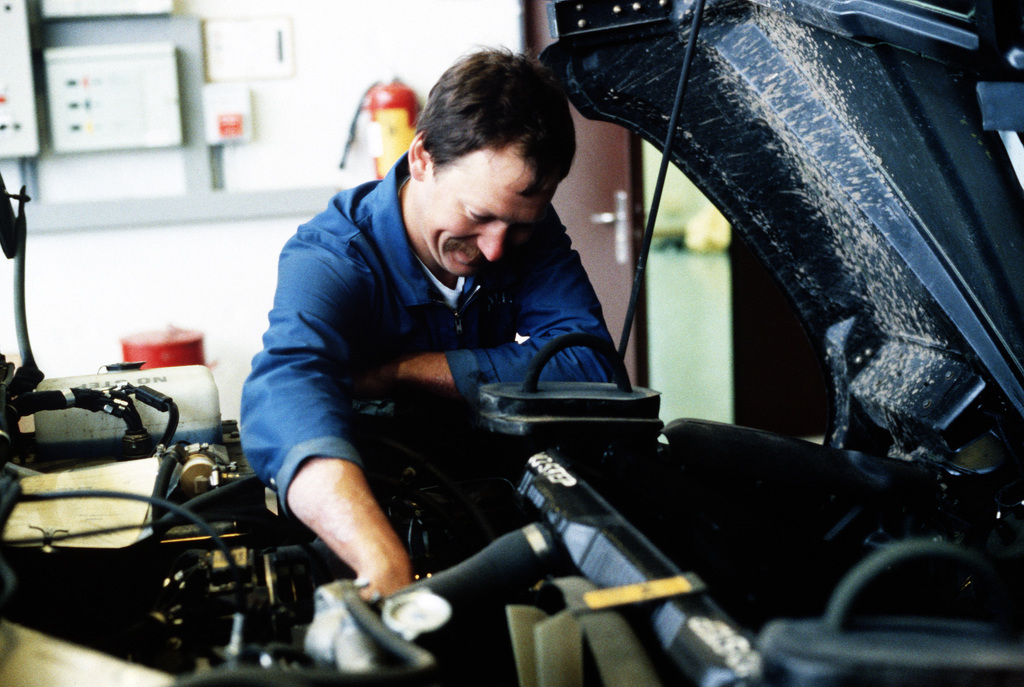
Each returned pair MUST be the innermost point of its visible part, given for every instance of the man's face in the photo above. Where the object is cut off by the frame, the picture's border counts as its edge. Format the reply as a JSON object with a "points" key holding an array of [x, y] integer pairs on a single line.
{"points": [[468, 213]]}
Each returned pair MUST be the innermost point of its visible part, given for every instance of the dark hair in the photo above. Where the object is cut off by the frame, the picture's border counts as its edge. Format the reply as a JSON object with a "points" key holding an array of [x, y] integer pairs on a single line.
{"points": [[494, 98]]}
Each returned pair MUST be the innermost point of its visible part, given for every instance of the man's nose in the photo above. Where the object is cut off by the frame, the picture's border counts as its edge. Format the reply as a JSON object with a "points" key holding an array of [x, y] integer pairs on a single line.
{"points": [[492, 242]]}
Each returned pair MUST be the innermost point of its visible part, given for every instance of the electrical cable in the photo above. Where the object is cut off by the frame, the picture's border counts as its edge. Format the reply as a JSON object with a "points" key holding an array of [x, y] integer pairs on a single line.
{"points": [[32, 402], [125, 409], [113, 402], [158, 401], [684, 76]]}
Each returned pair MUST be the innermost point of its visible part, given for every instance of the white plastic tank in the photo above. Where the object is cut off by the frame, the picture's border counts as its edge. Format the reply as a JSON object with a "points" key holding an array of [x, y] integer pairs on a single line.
{"points": [[77, 433]]}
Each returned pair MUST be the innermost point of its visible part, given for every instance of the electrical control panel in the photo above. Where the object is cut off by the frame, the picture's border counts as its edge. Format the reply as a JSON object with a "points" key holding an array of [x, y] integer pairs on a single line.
{"points": [[113, 97], [19, 134]]}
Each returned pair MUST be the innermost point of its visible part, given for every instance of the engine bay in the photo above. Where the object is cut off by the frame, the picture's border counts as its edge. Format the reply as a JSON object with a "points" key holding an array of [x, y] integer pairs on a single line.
{"points": [[177, 568]]}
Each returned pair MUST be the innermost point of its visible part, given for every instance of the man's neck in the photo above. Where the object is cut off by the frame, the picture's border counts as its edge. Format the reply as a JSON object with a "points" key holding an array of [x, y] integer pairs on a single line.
{"points": [[407, 201]]}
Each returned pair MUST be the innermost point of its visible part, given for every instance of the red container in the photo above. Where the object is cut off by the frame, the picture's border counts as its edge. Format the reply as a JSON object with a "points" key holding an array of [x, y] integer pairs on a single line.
{"points": [[171, 347]]}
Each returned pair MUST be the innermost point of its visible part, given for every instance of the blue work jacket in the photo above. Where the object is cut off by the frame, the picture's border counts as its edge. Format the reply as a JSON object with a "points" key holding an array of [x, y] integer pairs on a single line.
{"points": [[351, 295]]}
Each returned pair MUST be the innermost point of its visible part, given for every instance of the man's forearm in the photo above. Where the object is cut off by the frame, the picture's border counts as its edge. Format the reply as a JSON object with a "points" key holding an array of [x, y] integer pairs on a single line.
{"points": [[427, 371], [331, 496]]}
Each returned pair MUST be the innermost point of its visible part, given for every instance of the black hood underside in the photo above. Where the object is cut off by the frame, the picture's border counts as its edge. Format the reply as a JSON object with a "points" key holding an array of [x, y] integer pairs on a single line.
{"points": [[856, 149]]}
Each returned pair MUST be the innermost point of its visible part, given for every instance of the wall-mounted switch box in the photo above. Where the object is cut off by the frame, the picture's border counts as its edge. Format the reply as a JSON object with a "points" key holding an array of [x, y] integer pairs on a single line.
{"points": [[113, 97], [19, 134]]}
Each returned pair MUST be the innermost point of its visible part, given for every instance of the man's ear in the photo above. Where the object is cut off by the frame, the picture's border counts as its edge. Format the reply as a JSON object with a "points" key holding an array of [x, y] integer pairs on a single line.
{"points": [[420, 162]]}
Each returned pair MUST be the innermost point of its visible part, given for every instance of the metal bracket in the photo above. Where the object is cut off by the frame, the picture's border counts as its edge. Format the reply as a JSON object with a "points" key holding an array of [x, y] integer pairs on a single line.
{"points": [[579, 18]]}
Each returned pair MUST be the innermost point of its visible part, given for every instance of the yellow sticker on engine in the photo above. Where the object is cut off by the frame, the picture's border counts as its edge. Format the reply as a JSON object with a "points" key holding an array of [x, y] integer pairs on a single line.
{"points": [[642, 591]]}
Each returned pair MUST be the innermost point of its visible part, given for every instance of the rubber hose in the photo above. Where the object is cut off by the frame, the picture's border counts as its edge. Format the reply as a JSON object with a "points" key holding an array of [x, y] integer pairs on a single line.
{"points": [[510, 563]]}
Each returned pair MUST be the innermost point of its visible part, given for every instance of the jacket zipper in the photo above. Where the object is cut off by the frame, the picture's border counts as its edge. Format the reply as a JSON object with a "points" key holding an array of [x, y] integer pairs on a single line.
{"points": [[458, 312]]}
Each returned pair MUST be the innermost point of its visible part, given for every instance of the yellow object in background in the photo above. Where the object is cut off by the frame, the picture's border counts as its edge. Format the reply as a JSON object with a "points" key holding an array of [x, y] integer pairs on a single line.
{"points": [[395, 135], [684, 212]]}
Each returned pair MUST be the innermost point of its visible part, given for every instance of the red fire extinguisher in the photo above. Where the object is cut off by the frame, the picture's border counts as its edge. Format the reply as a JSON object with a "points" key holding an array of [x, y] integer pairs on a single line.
{"points": [[389, 111]]}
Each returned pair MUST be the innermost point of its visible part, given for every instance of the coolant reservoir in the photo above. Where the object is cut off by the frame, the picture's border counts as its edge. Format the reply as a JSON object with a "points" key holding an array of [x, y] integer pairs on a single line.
{"points": [[77, 433]]}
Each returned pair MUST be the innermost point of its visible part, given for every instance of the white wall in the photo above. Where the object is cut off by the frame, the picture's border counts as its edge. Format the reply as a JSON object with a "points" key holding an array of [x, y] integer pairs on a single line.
{"points": [[88, 289]]}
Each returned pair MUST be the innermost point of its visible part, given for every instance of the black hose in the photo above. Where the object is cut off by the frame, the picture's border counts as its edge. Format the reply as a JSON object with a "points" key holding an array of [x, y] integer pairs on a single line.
{"points": [[172, 424], [229, 492], [28, 361], [168, 461], [20, 315], [35, 401], [161, 402], [512, 562], [837, 614], [12, 239], [677, 105]]}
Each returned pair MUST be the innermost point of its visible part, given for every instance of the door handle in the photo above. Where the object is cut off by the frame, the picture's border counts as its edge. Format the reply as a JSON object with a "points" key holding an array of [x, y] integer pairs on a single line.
{"points": [[620, 220]]}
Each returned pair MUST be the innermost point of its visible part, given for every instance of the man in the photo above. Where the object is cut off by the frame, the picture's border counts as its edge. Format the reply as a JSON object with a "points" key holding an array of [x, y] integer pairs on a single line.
{"points": [[449, 273]]}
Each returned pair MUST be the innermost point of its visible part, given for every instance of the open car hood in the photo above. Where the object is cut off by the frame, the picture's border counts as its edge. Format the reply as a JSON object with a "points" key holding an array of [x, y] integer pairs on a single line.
{"points": [[856, 147]]}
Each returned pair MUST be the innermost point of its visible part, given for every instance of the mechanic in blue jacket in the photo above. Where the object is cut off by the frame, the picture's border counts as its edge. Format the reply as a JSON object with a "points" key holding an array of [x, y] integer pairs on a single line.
{"points": [[449, 273]]}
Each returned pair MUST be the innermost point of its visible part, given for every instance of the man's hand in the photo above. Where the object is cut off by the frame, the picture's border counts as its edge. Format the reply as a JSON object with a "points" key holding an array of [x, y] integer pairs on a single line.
{"points": [[331, 496], [427, 371]]}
